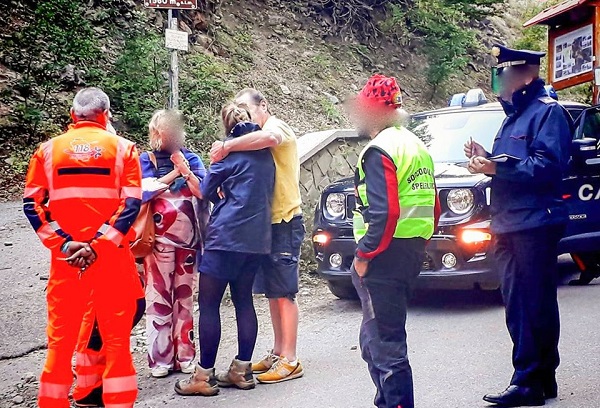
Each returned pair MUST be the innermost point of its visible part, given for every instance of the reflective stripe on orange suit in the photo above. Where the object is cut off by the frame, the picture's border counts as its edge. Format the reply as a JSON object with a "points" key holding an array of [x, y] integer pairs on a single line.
{"points": [[82, 185], [91, 355]]}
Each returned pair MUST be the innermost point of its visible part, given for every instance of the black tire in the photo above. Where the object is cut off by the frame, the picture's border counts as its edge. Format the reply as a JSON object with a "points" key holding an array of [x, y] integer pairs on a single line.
{"points": [[493, 296], [343, 290], [591, 267]]}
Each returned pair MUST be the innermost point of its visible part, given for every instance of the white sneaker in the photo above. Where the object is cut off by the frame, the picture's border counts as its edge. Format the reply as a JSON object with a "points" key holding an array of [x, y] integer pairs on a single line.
{"points": [[187, 368], [159, 372]]}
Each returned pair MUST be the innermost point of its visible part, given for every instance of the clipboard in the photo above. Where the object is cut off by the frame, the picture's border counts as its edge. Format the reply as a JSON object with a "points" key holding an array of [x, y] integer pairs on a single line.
{"points": [[503, 158]]}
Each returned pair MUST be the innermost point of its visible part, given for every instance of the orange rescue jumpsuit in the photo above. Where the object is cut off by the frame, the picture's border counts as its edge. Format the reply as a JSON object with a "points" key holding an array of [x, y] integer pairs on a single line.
{"points": [[85, 185]]}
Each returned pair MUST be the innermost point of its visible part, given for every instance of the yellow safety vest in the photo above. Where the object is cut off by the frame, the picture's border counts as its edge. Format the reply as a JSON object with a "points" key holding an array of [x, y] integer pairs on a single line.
{"points": [[416, 184]]}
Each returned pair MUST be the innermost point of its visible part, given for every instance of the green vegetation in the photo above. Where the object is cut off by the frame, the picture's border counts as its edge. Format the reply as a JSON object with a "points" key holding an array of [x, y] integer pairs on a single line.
{"points": [[131, 64], [536, 38], [203, 91], [442, 26], [118, 45], [237, 44], [475, 9], [331, 111], [136, 84], [57, 36]]}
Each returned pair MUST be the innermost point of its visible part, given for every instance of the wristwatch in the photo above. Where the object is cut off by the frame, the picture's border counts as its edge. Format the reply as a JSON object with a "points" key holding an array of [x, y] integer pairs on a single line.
{"points": [[64, 248]]}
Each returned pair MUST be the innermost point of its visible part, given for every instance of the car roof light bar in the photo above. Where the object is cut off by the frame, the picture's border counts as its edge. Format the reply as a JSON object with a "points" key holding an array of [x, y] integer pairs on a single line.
{"points": [[474, 97]]}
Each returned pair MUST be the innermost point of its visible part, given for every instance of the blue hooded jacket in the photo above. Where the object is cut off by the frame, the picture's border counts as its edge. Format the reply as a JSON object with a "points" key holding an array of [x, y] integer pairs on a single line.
{"points": [[527, 193], [164, 166], [241, 221]]}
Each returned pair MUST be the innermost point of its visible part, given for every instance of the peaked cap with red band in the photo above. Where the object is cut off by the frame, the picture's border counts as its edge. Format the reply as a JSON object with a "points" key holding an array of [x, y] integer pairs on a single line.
{"points": [[381, 90]]}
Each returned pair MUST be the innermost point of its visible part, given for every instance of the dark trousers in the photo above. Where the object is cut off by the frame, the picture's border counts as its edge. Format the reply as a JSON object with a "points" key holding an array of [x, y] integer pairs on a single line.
{"points": [[527, 263], [384, 295]]}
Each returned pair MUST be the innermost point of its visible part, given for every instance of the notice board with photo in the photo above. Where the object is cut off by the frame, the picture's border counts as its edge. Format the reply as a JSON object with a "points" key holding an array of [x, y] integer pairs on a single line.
{"points": [[571, 55]]}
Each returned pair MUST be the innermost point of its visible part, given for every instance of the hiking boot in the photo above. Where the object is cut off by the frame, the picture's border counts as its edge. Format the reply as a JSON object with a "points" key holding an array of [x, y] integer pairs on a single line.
{"points": [[202, 382], [265, 364], [93, 399], [281, 371], [239, 375]]}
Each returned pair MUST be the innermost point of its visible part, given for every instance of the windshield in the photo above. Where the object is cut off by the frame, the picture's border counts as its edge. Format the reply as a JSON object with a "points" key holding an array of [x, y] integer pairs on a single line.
{"points": [[445, 134]]}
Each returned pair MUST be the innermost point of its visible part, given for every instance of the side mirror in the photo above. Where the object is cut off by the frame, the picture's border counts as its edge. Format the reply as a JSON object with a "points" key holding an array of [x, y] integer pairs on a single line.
{"points": [[585, 152]]}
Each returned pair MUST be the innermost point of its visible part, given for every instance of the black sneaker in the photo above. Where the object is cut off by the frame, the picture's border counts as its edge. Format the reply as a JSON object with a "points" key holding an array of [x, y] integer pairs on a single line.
{"points": [[93, 399]]}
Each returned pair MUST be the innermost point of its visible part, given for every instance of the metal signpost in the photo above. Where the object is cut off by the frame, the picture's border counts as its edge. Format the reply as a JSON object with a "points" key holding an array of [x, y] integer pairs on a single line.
{"points": [[174, 40]]}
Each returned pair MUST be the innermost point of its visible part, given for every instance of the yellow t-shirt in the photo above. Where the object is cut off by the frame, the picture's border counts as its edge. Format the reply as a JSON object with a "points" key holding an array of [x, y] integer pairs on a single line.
{"points": [[286, 195]]}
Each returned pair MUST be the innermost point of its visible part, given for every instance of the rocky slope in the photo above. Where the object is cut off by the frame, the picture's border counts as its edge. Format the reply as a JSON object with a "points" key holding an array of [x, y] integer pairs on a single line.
{"points": [[270, 45]]}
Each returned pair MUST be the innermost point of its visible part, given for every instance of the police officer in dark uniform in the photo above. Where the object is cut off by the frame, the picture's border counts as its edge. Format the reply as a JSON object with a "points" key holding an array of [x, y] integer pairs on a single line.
{"points": [[528, 221]]}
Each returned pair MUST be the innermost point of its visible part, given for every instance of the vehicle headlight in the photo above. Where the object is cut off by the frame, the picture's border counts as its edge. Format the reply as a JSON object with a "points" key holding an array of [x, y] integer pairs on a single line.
{"points": [[460, 201], [335, 204]]}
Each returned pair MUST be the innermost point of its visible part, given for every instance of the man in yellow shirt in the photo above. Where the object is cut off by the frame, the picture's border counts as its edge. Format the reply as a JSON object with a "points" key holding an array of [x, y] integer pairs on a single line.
{"points": [[279, 277]]}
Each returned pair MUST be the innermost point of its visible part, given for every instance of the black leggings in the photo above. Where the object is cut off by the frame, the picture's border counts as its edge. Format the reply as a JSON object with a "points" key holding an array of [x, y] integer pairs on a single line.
{"points": [[210, 295]]}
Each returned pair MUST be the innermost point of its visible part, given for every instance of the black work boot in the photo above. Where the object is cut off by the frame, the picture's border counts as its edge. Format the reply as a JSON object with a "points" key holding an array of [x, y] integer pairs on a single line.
{"points": [[93, 399]]}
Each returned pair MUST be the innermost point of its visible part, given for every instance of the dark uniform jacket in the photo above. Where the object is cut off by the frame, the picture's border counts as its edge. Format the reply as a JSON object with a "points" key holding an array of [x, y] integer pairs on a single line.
{"points": [[241, 221], [528, 193]]}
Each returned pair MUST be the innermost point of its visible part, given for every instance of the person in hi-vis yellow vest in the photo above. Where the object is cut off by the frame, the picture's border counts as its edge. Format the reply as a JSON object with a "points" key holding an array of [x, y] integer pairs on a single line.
{"points": [[397, 212]]}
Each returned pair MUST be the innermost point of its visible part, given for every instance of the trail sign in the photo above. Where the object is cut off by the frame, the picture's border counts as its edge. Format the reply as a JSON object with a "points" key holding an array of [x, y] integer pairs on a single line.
{"points": [[176, 40], [172, 4]]}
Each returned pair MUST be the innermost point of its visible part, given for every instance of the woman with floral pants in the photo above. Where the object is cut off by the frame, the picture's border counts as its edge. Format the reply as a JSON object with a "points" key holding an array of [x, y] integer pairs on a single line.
{"points": [[171, 176]]}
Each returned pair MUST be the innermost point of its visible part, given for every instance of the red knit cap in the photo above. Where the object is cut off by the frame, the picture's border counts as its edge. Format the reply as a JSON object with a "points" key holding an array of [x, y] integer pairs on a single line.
{"points": [[382, 90]]}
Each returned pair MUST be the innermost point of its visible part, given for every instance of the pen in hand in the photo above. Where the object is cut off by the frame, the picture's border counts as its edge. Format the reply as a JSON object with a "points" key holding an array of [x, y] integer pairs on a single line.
{"points": [[472, 148]]}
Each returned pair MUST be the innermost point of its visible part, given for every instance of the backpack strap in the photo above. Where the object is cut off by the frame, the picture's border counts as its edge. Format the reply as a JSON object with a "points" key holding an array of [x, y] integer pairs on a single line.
{"points": [[152, 158]]}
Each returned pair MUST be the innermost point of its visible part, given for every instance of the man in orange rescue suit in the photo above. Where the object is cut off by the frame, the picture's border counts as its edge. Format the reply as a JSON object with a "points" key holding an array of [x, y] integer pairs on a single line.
{"points": [[82, 194]]}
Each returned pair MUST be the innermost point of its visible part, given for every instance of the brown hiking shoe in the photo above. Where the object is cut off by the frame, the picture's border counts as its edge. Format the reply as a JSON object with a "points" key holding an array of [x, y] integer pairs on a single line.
{"points": [[265, 364], [239, 375], [202, 382]]}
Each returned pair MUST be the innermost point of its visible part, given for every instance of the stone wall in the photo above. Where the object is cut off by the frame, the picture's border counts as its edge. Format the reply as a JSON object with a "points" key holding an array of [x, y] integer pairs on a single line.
{"points": [[336, 161]]}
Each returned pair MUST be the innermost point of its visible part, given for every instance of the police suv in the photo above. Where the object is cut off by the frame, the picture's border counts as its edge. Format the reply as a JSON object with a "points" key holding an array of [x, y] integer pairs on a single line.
{"points": [[458, 255]]}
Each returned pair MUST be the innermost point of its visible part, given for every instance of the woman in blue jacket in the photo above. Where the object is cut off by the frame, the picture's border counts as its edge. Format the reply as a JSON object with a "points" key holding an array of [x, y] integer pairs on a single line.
{"points": [[238, 237]]}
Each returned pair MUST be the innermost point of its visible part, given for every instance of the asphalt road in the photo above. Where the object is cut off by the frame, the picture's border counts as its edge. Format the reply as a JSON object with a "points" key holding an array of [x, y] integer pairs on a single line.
{"points": [[458, 344]]}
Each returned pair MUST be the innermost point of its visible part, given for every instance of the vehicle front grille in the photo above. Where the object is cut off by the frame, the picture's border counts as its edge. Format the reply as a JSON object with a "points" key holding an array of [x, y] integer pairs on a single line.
{"points": [[348, 262], [350, 205], [428, 264]]}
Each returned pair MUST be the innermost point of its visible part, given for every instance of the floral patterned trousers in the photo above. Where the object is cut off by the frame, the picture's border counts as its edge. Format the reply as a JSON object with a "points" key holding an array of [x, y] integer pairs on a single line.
{"points": [[171, 277]]}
